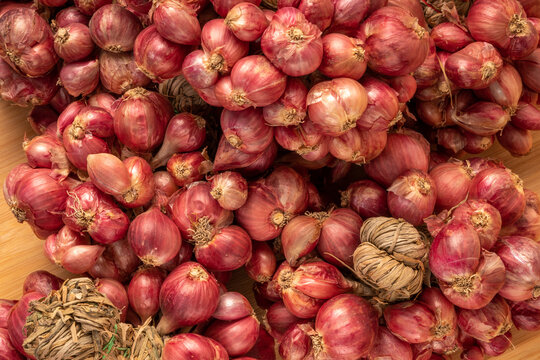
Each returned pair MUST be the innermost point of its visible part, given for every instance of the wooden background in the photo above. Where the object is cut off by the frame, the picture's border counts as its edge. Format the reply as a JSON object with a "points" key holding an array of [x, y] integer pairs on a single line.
{"points": [[21, 252]]}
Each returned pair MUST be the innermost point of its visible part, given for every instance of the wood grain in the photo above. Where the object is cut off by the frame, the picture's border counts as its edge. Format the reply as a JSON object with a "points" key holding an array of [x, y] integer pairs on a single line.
{"points": [[21, 252]]}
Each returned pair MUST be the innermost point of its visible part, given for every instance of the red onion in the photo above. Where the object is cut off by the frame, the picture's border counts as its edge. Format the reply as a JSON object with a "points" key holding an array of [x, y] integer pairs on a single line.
{"points": [[472, 353], [245, 130], [73, 42], [340, 317], [151, 110], [81, 258], [345, 99], [90, 210], [56, 245], [504, 24], [254, 81], [339, 237], [501, 188], [188, 296], [481, 118], [227, 249], [23, 90], [452, 181], [130, 182], [229, 189], [228, 157], [403, 151], [468, 276], [432, 112], [348, 15], [261, 164], [167, 14], [184, 255], [46, 151], [154, 237], [300, 237], [188, 167], [526, 117], [280, 319], [517, 141], [405, 87], [498, 345], [525, 314], [196, 212], [116, 293], [411, 321], [528, 224], [505, 90], [296, 342], [222, 48], [7, 350], [365, 197], [222, 7], [232, 306], [113, 28], [157, 57], [80, 78], [88, 7], [427, 74], [412, 196], [41, 117], [262, 264], [290, 109], [70, 15], [475, 66], [237, 337], [5, 308], [529, 69], [119, 73], [26, 42], [318, 12], [17, 320], [102, 100], [202, 70], [303, 139], [185, 346], [382, 107], [451, 139], [488, 322], [477, 144], [35, 197], [185, 132], [246, 21], [117, 262], [408, 44], [315, 202], [292, 43], [450, 37], [521, 257], [343, 57], [483, 217], [358, 146], [388, 346], [42, 282]]}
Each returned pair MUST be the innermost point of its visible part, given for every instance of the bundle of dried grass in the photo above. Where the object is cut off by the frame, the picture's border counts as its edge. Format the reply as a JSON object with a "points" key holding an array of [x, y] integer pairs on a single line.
{"points": [[439, 11], [390, 258]]}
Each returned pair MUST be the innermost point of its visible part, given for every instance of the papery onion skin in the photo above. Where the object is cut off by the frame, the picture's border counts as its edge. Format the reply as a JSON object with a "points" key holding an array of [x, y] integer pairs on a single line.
{"points": [[517, 141], [113, 28], [498, 345], [521, 257], [41, 117], [221, 47], [452, 180], [246, 130], [185, 346], [41, 281], [157, 57], [501, 188], [80, 78], [26, 42], [526, 117], [88, 7], [188, 167], [482, 118], [475, 66], [476, 144], [410, 321], [290, 109], [505, 90], [116, 293], [246, 21], [262, 264], [367, 198], [343, 56], [412, 152], [237, 337], [529, 69], [526, 314], [292, 43], [483, 217], [71, 15], [188, 296], [5, 308], [382, 107], [57, 244], [408, 44], [7, 350], [504, 24], [143, 291], [318, 12], [299, 237], [230, 189], [232, 306], [295, 343]]}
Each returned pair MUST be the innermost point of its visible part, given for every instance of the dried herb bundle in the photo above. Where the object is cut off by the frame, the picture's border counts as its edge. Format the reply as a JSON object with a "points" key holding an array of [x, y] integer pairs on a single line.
{"points": [[390, 258]]}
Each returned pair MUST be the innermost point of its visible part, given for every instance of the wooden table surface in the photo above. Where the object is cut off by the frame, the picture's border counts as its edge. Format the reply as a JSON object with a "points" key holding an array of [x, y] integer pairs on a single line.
{"points": [[21, 252]]}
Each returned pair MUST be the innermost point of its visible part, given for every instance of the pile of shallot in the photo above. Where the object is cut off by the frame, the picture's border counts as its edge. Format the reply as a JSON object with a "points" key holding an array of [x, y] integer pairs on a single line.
{"points": [[182, 143]]}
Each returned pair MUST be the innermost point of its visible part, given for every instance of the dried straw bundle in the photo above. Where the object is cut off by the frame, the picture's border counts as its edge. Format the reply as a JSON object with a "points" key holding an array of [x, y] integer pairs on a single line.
{"points": [[438, 11], [390, 258]]}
